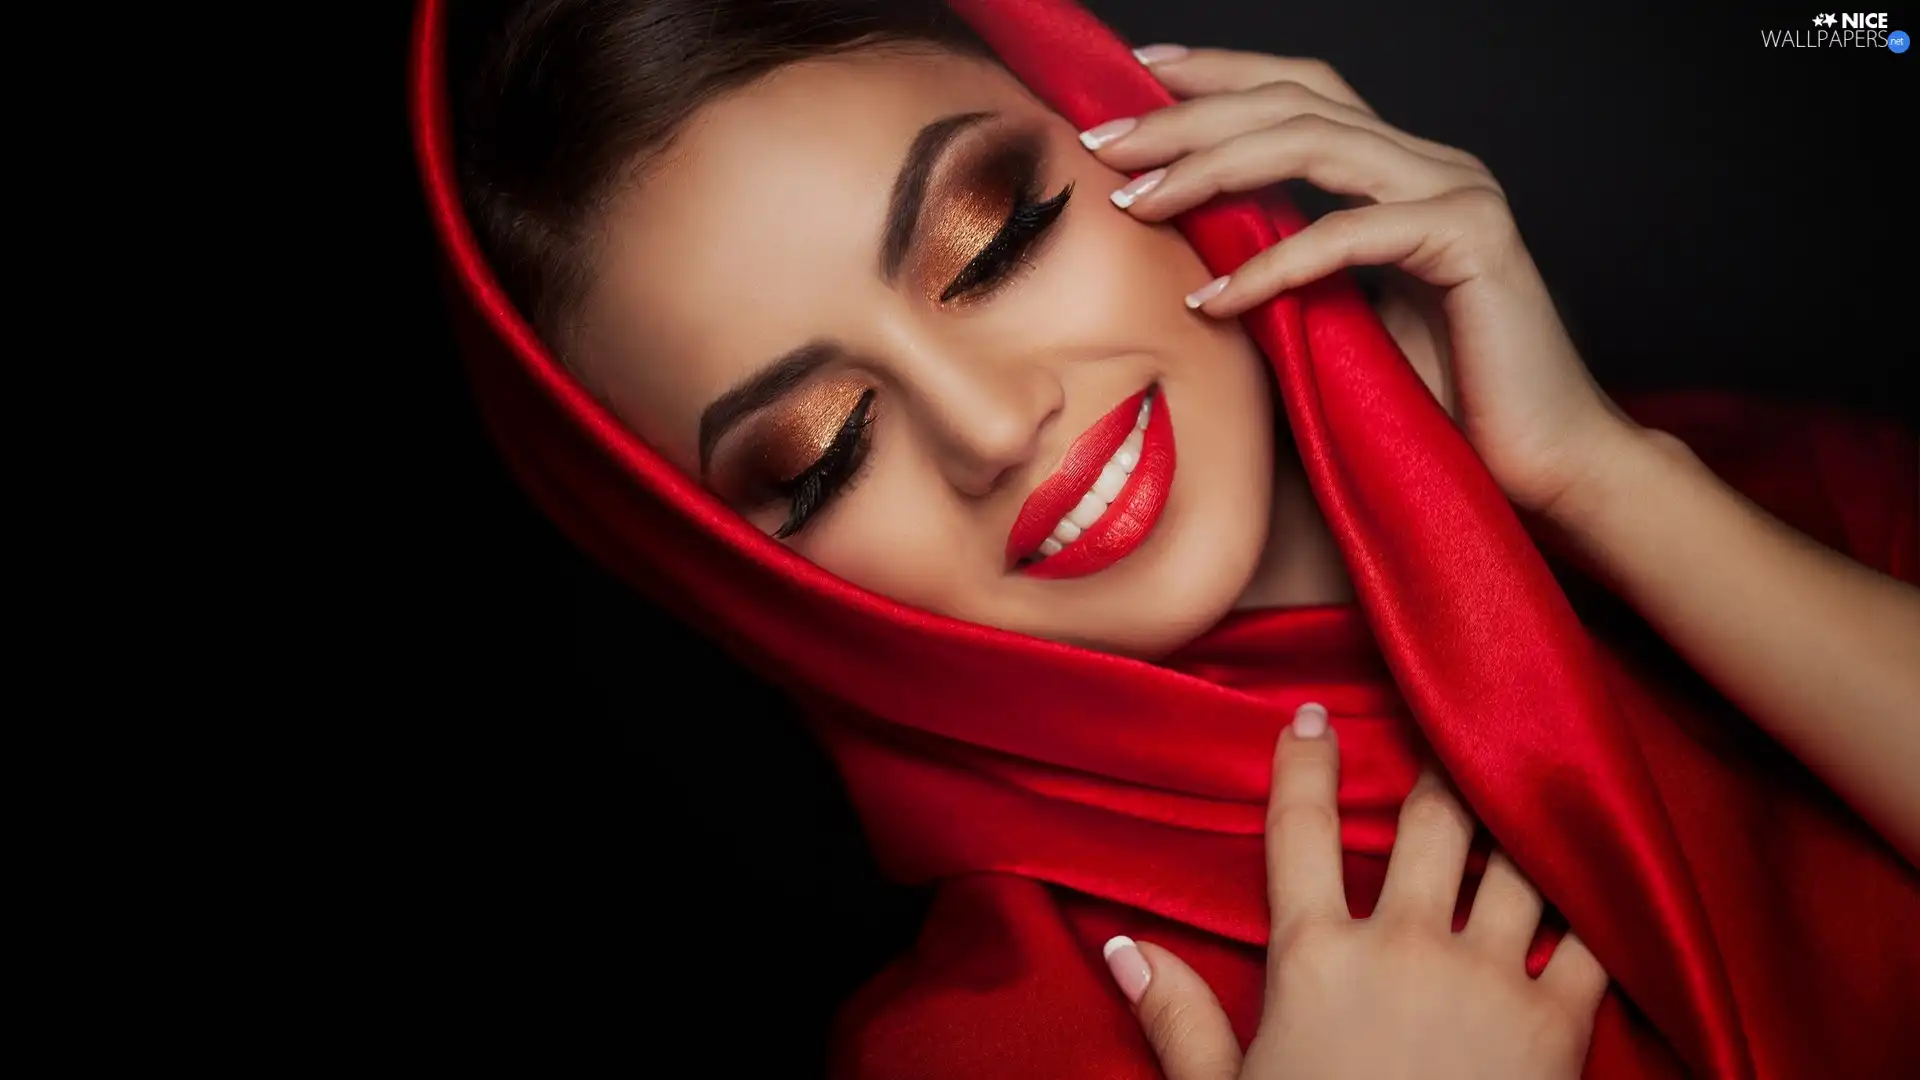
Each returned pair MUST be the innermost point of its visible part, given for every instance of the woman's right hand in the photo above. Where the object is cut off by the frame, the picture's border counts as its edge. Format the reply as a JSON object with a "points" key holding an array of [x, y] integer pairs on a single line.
{"points": [[1399, 994]]}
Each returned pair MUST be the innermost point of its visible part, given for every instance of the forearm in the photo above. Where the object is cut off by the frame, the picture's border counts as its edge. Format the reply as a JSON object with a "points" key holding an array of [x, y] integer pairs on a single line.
{"points": [[1821, 651]]}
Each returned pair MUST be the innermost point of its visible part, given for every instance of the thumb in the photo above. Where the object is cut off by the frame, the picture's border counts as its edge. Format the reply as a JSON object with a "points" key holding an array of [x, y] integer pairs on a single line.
{"points": [[1182, 1019]]}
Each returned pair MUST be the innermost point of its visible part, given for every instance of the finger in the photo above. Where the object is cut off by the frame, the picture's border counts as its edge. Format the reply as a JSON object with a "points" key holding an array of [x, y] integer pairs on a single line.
{"points": [[1506, 909], [1182, 1019], [1334, 157], [1166, 134], [1304, 878], [1223, 71], [1574, 975], [1443, 242], [1429, 856]]}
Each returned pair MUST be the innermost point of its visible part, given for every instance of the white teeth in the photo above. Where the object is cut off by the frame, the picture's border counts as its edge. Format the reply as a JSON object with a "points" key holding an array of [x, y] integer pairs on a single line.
{"points": [[1089, 511], [1106, 488]]}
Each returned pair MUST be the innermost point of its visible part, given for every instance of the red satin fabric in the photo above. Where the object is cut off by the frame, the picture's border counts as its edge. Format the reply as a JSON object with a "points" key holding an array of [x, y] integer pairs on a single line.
{"points": [[1753, 926]]}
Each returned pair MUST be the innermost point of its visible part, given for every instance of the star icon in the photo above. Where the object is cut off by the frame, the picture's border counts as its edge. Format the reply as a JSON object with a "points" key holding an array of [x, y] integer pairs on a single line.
{"points": [[1830, 20]]}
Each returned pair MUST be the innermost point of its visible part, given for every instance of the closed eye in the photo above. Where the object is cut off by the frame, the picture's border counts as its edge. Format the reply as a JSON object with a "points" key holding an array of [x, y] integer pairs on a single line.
{"points": [[1026, 225]]}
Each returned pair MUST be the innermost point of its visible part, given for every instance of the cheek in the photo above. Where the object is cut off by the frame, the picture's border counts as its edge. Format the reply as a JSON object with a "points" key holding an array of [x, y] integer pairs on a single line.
{"points": [[1107, 268], [1127, 266], [1122, 236], [898, 532]]}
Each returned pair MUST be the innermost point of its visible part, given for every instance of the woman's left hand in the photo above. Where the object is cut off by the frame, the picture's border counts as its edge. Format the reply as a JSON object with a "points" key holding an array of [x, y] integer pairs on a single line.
{"points": [[1397, 994], [1525, 399]]}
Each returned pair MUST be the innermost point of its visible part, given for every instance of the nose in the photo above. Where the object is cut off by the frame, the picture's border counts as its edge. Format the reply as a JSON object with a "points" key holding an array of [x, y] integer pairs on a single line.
{"points": [[985, 415]]}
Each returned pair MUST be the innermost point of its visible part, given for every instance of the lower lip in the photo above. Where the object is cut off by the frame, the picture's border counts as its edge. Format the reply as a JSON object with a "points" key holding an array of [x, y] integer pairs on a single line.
{"points": [[1131, 516]]}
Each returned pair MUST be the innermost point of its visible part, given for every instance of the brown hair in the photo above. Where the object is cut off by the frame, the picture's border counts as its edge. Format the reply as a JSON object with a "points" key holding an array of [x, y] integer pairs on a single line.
{"points": [[569, 98]]}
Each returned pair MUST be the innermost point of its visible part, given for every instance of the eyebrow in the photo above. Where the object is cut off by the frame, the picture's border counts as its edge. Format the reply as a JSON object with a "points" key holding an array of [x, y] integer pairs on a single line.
{"points": [[761, 389], [904, 208], [910, 186]]}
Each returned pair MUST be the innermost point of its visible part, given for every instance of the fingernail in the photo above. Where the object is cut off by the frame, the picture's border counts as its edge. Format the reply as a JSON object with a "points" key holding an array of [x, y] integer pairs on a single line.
{"points": [[1194, 299], [1159, 54], [1310, 721], [1129, 968], [1139, 186], [1096, 137]]}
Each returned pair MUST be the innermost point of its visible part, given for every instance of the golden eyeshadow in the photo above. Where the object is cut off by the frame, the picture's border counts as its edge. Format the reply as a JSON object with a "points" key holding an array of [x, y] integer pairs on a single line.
{"points": [[788, 439], [970, 211]]}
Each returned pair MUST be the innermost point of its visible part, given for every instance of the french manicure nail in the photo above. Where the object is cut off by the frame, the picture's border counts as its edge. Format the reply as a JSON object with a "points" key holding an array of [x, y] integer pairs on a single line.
{"points": [[1159, 54], [1310, 721], [1129, 967], [1096, 137], [1137, 187], [1200, 296]]}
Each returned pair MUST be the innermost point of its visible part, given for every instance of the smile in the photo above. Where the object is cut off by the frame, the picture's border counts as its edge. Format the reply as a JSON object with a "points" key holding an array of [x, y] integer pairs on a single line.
{"points": [[1105, 497]]}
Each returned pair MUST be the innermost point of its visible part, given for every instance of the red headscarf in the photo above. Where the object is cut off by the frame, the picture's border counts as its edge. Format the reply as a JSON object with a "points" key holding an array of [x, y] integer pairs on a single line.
{"points": [[1752, 925]]}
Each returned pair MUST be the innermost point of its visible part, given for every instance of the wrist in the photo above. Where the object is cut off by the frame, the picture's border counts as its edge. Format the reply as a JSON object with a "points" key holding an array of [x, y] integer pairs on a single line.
{"points": [[1627, 466]]}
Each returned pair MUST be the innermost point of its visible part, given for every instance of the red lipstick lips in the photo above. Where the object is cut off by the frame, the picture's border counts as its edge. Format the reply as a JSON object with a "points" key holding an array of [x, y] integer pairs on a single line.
{"points": [[1124, 525]]}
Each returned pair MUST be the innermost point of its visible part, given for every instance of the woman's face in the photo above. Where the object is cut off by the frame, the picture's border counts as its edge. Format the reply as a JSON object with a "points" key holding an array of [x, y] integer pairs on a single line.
{"points": [[882, 305]]}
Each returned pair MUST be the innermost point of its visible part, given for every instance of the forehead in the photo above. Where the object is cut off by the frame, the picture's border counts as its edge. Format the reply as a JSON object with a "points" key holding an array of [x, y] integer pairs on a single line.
{"points": [[760, 225]]}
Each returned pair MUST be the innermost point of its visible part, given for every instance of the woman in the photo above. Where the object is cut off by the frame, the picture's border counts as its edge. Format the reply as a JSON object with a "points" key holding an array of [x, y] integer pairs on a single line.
{"points": [[926, 434]]}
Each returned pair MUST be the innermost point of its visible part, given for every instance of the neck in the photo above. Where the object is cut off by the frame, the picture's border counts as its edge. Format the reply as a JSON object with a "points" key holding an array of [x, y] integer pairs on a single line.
{"points": [[1301, 564]]}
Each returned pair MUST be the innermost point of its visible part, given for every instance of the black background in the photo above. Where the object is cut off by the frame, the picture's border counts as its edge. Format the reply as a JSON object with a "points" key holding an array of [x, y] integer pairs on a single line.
{"points": [[596, 832]]}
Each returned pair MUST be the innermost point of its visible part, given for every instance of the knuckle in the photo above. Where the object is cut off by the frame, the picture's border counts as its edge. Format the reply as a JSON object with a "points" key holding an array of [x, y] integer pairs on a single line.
{"points": [[1405, 936], [1195, 170], [1432, 810], [1486, 212], [1287, 96], [1170, 1021], [1232, 169], [1302, 822], [1511, 909], [1195, 179], [1491, 238], [1312, 126], [1314, 939], [1337, 86], [1318, 68], [1305, 946]]}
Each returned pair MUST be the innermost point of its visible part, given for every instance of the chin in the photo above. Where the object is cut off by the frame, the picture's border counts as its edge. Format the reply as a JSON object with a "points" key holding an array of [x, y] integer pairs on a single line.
{"points": [[1187, 576], [1201, 584], [1164, 622]]}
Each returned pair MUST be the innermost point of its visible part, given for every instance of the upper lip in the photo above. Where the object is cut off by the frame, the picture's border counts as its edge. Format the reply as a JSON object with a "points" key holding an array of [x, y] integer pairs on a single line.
{"points": [[1079, 467]]}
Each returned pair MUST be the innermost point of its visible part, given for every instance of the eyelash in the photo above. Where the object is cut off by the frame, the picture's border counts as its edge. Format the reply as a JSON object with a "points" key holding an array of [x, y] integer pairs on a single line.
{"points": [[833, 473], [837, 469], [1027, 223]]}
